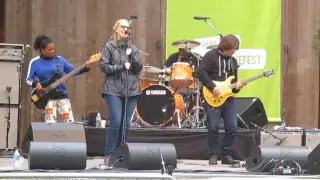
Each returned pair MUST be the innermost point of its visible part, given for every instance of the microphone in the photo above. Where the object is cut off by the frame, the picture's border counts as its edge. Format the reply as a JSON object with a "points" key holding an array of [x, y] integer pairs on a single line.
{"points": [[9, 91], [201, 18], [9, 88], [126, 31]]}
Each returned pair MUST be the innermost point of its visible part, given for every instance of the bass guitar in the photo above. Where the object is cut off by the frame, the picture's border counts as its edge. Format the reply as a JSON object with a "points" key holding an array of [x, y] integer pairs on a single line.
{"points": [[40, 99], [226, 88]]}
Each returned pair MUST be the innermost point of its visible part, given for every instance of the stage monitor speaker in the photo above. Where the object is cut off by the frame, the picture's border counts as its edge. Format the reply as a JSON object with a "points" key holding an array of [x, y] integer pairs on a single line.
{"points": [[57, 155], [314, 160], [250, 110], [9, 76], [144, 156], [13, 128], [265, 158], [312, 138], [289, 137], [54, 132]]}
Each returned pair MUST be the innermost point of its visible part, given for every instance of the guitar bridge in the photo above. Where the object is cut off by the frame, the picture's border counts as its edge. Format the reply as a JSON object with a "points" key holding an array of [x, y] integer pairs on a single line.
{"points": [[34, 98]]}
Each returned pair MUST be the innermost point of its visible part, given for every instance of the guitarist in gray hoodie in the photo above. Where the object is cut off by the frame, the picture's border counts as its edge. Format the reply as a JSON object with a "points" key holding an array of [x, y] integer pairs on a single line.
{"points": [[218, 65]]}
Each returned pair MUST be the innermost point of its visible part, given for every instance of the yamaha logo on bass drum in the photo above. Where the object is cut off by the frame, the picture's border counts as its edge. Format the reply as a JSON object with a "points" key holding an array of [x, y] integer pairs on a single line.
{"points": [[156, 92]]}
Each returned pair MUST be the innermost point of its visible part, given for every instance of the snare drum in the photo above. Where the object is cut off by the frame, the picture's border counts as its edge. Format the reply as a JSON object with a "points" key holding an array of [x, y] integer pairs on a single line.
{"points": [[147, 82], [181, 74], [158, 106]]}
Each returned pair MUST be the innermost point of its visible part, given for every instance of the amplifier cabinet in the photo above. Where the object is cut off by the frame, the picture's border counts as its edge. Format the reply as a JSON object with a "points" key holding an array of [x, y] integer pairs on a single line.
{"points": [[288, 137], [312, 138]]}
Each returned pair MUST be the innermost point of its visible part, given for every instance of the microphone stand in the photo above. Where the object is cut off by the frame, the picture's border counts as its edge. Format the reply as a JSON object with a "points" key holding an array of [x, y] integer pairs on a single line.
{"points": [[8, 116], [275, 137], [212, 26], [124, 123], [19, 70]]}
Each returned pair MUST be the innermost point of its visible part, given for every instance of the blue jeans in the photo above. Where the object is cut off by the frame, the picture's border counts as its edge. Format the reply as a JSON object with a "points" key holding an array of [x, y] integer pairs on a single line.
{"points": [[228, 113], [116, 106]]}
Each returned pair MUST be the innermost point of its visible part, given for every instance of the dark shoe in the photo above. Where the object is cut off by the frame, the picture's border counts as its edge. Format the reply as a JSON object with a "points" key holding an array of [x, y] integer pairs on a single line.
{"points": [[213, 160], [227, 160]]}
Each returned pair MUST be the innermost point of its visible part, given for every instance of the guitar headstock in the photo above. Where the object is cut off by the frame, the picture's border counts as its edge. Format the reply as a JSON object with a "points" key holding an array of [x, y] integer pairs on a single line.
{"points": [[268, 72], [95, 57]]}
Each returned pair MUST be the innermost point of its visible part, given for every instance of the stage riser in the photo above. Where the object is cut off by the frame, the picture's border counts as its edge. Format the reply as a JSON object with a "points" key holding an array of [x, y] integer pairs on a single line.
{"points": [[190, 144]]}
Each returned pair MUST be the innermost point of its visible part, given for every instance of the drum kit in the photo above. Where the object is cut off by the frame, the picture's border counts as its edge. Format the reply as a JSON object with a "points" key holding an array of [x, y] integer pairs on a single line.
{"points": [[173, 98]]}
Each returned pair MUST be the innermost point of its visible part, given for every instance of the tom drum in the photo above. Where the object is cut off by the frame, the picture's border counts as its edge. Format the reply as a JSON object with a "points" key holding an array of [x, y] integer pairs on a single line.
{"points": [[181, 75]]}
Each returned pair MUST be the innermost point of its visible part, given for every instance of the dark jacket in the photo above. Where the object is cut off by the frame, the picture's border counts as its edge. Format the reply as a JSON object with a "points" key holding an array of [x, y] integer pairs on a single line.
{"points": [[112, 65], [215, 66], [173, 58]]}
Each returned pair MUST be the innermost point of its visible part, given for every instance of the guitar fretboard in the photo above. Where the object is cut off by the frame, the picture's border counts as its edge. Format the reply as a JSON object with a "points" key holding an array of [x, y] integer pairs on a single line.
{"points": [[248, 80], [64, 78]]}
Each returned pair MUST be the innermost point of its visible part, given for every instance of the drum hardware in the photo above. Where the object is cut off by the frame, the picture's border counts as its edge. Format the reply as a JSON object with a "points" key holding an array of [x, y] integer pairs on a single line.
{"points": [[187, 123], [151, 69], [197, 91], [177, 110], [134, 120]]}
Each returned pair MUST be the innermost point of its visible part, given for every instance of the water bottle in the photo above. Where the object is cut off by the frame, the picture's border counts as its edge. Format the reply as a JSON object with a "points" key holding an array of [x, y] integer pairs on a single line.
{"points": [[16, 160], [98, 120]]}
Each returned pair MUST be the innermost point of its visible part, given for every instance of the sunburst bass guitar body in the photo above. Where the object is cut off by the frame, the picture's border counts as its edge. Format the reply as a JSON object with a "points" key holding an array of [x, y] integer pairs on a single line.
{"points": [[226, 88]]}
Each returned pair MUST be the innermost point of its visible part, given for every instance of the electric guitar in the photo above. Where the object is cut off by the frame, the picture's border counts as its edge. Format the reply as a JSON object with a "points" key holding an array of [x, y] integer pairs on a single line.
{"points": [[40, 99], [226, 88]]}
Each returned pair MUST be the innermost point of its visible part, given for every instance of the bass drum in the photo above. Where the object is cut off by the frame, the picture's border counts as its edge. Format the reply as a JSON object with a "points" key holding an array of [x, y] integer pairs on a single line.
{"points": [[158, 106]]}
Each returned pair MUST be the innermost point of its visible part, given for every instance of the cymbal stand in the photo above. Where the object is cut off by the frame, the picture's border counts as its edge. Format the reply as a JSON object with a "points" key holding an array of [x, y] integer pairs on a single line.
{"points": [[197, 123]]}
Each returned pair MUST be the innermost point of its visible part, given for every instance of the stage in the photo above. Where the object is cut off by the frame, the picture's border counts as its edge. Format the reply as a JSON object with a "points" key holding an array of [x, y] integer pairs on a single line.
{"points": [[192, 158], [186, 169], [189, 143]]}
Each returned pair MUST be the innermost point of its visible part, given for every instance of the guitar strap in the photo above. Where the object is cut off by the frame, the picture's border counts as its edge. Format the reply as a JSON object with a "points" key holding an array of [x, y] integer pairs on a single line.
{"points": [[58, 64]]}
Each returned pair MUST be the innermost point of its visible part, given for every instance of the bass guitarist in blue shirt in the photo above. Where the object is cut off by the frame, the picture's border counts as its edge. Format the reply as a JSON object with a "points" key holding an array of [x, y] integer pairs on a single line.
{"points": [[46, 69]]}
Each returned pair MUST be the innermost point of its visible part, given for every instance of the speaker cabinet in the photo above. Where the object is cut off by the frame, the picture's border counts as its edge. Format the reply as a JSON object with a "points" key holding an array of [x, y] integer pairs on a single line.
{"points": [[9, 76], [250, 110], [57, 155], [312, 138], [13, 128], [265, 158], [54, 132], [288, 137], [314, 160], [144, 156]]}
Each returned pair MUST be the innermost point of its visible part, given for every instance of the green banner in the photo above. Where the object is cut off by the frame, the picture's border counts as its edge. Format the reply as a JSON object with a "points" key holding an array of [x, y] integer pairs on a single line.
{"points": [[257, 23]]}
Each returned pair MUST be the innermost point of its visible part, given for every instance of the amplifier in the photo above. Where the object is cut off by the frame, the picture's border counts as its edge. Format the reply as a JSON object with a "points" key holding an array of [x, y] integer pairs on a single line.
{"points": [[11, 52], [281, 137], [312, 138]]}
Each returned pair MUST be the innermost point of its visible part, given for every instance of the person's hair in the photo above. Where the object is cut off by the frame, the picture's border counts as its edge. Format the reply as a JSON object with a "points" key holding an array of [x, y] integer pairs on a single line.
{"points": [[229, 42], [41, 42], [115, 26]]}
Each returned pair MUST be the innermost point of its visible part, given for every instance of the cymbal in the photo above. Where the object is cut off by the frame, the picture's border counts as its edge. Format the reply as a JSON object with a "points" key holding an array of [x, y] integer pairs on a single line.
{"points": [[186, 44], [151, 69], [212, 47]]}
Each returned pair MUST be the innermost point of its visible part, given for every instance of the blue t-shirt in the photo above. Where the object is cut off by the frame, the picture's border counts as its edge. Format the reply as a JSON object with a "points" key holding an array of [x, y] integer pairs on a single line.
{"points": [[44, 69]]}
